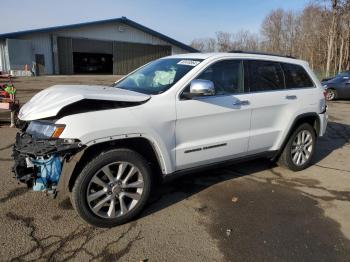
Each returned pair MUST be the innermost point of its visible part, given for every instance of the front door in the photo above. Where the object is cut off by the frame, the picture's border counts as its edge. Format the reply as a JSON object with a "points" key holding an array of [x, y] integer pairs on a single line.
{"points": [[214, 128]]}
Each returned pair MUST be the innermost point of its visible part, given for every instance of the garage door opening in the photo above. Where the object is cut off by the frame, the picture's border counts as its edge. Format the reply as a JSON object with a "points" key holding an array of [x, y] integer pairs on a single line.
{"points": [[92, 63]]}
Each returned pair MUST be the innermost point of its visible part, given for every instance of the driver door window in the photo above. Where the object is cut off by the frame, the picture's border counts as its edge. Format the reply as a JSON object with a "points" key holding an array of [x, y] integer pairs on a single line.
{"points": [[226, 75]]}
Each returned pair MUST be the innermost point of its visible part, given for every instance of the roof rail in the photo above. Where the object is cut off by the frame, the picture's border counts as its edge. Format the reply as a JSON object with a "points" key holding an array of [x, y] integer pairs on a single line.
{"points": [[259, 53]]}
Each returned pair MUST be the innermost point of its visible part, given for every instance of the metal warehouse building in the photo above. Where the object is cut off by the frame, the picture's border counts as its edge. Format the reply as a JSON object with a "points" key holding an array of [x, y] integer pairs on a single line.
{"points": [[114, 46]]}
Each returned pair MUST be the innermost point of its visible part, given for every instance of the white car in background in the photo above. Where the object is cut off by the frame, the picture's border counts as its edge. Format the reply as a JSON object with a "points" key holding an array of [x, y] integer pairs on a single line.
{"points": [[105, 145]]}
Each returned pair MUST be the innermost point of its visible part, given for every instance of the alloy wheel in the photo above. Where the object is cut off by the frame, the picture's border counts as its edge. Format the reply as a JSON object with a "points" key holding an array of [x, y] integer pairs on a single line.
{"points": [[115, 189], [302, 147], [330, 95]]}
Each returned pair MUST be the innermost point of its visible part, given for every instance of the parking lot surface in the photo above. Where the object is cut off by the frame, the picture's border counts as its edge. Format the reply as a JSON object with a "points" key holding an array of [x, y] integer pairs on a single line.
{"points": [[252, 211]]}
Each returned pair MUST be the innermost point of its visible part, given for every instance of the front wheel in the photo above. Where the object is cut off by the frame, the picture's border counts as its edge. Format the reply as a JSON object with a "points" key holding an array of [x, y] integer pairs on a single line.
{"points": [[113, 188], [299, 149]]}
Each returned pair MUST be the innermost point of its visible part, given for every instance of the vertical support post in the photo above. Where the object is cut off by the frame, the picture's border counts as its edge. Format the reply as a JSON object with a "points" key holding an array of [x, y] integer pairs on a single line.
{"points": [[13, 107], [12, 118]]}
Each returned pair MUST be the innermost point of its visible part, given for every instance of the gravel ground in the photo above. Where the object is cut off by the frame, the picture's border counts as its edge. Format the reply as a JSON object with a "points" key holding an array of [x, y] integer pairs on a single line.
{"points": [[251, 211]]}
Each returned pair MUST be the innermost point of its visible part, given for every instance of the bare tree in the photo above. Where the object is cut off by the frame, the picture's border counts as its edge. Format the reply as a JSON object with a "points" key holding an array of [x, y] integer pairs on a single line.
{"points": [[271, 30], [331, 36], [244, 40], [319, 34], [198, 44], [224, 41], [204, 44], [347, 35]]}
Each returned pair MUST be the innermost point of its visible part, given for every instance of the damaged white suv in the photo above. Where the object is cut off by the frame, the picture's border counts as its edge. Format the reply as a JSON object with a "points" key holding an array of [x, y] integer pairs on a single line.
{"points": [[104, 145]]}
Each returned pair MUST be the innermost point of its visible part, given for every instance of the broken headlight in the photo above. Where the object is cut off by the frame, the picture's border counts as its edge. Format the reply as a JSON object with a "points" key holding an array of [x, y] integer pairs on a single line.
{"points": [[44, 129]]}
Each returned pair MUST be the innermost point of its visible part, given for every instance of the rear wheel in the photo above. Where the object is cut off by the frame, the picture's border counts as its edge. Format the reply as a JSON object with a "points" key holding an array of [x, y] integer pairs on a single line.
{"points": [[331, 94], [113, 188], [300, 148]]}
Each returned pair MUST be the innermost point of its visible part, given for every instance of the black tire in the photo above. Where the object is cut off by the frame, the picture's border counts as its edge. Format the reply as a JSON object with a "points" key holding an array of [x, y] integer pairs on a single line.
{"points": [[285, 158], [331, 94], [81, 186]]}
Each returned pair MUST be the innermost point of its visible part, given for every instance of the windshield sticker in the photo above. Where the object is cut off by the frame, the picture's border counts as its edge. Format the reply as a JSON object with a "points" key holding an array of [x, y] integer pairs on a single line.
{"points": [[188, 62]]}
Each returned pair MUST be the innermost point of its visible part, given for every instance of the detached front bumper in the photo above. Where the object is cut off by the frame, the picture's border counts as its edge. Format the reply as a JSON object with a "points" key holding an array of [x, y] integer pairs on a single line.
{"points": [[31, 157]]}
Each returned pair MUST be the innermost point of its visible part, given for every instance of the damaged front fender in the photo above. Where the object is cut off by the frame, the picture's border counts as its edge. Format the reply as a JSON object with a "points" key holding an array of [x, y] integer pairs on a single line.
{"points": [[38, 162], [69, 165]]}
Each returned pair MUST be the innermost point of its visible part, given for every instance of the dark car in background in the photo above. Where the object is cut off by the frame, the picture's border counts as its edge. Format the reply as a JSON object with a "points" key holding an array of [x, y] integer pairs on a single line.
{"points": [[338, 88], [341, 74]]}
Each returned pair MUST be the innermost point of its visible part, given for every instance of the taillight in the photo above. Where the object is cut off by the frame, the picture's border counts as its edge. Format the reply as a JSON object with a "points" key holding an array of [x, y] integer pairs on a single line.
{"points": [[325, 94]]}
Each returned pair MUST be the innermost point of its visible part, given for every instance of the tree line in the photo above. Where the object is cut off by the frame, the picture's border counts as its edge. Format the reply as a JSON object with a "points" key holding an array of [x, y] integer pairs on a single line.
{"points": [[319, 34]]}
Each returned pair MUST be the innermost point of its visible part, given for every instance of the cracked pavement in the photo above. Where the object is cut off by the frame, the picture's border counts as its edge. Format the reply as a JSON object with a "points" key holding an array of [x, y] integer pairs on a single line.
{"points": [[252, 211]]}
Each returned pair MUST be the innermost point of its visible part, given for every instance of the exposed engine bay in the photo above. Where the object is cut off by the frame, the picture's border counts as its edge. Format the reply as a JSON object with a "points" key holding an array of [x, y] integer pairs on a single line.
{"points": [[38, 162]]}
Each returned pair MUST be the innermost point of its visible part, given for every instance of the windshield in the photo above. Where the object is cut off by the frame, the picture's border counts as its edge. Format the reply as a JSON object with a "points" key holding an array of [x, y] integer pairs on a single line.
{"points": [[158, 76]]}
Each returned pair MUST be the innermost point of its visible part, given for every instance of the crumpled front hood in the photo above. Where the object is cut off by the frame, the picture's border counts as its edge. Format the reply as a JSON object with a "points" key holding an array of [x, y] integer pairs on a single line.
{"points": [[50, 101]]}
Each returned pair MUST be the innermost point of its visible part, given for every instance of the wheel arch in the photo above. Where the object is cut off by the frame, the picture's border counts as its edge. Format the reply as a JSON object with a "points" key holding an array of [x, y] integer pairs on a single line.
{"points": [[73, 166], [311, 118]]}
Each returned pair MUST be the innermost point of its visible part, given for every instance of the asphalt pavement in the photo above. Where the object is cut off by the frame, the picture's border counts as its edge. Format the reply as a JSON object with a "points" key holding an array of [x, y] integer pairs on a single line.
{"points": [[253, 211]]}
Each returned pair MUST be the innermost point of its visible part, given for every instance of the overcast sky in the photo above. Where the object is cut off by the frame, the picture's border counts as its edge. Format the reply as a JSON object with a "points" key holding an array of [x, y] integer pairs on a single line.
{"points": [[180, 19]]}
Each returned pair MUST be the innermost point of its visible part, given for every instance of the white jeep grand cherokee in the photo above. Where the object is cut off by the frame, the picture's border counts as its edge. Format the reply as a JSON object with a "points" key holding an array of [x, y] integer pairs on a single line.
{"points": [[104, 145]]}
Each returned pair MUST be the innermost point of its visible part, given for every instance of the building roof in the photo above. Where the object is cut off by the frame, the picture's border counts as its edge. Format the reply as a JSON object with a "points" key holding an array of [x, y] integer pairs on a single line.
{"points": [[123, 20]]}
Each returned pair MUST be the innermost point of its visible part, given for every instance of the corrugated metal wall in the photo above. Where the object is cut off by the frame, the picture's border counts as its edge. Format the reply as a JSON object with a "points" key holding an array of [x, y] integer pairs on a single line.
{"points": [[116, 32], [92, 46], [4, 60], [46, 43], [175, 50], [42, 45], [126, 56], [65, 55], [19, 53], [129, 56]]}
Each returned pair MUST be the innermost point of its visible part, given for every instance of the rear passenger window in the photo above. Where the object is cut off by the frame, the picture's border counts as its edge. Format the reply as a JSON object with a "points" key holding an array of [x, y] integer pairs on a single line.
{"points": [[296, 76], [263, 75]]}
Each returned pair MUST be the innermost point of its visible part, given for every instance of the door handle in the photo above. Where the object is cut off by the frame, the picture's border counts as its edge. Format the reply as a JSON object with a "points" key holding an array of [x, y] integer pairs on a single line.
{"points": [[241, 103], [291, 97]]}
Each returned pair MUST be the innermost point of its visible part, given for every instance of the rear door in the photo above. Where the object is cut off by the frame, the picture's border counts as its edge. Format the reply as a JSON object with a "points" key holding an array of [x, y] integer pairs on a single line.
{"points": [[278, 92], [214, 128]]}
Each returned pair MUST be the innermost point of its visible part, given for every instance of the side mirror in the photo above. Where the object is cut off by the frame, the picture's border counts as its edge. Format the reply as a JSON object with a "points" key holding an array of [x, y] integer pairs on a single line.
{"points": [[201, 87]]}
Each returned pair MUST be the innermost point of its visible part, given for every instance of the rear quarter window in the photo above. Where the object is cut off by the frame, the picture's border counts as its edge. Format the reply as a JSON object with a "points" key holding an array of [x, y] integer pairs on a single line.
{"points": [[296, 76]]}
